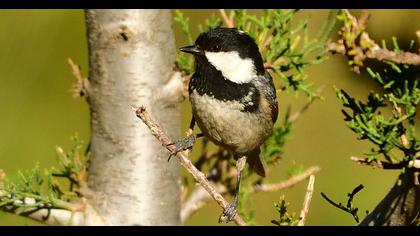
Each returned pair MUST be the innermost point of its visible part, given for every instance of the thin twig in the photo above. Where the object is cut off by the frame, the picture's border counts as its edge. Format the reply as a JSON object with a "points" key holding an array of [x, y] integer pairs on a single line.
{"points": [[418, 38], [349, 208], [79, 89], [228, 21], [380, 54], [292, 181], [364, 16], [185, 162], [377, 163], [307, 200], [403, 137], [352, 194]]}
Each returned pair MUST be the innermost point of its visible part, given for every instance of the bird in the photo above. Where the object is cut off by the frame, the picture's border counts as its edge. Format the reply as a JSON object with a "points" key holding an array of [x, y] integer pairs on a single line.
{"points": [[233, 100]]}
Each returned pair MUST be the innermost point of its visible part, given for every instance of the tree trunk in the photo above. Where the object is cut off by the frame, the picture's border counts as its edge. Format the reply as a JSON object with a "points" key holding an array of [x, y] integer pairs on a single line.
{"points": [[131, 58], [401, 206]]}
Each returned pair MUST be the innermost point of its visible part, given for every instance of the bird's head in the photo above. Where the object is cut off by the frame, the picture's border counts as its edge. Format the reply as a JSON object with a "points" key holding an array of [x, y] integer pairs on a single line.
{"points": [[230, 51]]}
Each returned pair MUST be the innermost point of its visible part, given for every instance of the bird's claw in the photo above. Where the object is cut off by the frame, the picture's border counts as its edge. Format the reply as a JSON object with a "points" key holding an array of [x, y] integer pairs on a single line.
{"points": [[229, 212], [182, 144]]}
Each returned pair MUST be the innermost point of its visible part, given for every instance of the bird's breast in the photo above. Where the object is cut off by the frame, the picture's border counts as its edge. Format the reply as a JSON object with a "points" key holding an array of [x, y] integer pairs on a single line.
{"points": [[227, 123]]}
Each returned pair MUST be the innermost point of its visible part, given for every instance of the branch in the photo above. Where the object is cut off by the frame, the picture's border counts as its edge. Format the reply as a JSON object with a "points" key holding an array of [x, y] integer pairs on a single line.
{"points": [[200, 198], [349, 207], [228, 20], [307, 200], [378, 53], [377, 163], [418, 38], [185, 162], [365, 47], [292, 181], [403, 136], [175, 90], [74, 214], [80, 88], [65, 217], [364, 16]]}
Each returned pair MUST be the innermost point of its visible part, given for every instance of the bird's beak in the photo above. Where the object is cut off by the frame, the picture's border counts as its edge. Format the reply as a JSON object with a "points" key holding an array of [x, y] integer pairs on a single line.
{"points": [[191, 49]]}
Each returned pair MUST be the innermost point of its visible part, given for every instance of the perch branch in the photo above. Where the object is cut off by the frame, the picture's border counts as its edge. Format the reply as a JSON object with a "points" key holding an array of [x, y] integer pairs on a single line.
{"points": [[185, 162], [307, 200]]}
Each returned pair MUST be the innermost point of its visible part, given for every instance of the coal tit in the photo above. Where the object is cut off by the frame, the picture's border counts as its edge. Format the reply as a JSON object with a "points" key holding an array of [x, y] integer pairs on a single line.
{"points": [[233, 99]]}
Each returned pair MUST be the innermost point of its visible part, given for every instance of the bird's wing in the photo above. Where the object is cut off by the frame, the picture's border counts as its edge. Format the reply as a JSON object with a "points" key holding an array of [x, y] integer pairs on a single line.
{"points": [[256, 161], [270, 94]]}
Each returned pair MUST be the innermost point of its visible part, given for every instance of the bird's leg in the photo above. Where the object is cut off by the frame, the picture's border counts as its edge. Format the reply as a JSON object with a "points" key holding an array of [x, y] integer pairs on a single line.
{"points": [[192, 124], [185, 143], [230, 210]]}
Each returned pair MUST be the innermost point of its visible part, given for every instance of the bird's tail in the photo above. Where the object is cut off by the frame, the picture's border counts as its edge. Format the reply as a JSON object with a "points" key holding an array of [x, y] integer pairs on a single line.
{"points": [[256, 161]]}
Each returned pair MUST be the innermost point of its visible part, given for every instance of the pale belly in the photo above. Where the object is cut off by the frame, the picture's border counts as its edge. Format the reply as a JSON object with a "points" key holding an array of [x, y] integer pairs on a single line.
{"points": [[225, 124]]}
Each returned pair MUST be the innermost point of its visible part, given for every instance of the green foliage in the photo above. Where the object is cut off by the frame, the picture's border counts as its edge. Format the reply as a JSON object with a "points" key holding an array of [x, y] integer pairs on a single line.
{"points": [[30, 181], [393, 136], [285, 219], [350, 35], [284, 43], [401, 94], [33, 190], [184, 62], [72, 165]]}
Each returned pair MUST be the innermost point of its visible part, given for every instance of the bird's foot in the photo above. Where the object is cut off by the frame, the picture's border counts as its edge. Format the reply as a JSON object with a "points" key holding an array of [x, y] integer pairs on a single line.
{"points": [[229, 212], [182, 144]]}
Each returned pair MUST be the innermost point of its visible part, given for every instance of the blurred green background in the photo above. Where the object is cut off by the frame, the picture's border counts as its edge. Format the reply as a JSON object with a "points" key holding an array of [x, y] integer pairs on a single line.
{"points": [[38, 113]]}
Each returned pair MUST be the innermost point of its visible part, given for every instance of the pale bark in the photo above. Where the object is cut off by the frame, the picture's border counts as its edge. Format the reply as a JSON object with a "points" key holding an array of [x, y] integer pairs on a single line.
{"points": [[131, 58], [63, 217]]}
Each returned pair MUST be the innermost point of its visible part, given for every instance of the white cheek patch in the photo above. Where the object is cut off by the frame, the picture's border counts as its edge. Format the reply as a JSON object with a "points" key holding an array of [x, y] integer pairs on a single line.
{"points": [[241, 32], [232, 66]]}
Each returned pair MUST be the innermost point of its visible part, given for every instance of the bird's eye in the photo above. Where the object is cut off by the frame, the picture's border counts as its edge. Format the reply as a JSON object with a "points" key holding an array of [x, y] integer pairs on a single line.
{"points": [[217, 48]]}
